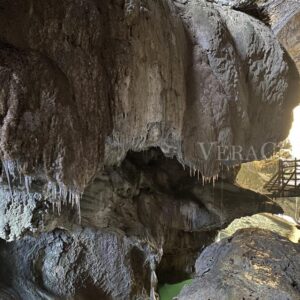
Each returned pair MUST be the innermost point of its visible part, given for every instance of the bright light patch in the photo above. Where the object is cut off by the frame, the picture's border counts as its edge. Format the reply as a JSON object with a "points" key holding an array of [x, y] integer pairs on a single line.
{"points": [[294, 136]]}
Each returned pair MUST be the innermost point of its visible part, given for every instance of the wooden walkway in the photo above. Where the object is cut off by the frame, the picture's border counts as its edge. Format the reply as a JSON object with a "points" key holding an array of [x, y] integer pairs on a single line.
{"points": [[286, 182]]}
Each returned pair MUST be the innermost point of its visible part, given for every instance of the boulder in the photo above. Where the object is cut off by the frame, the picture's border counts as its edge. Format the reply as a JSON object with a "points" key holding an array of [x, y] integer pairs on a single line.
{"points": [[252, 264]]}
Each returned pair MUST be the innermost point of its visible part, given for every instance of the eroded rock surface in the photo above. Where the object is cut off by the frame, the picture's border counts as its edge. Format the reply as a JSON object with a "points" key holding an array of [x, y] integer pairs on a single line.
{"points": [[149, 202], [81, 77], [253, 264], [86, 82], [276, 13], [281, 15], [85, 264]]}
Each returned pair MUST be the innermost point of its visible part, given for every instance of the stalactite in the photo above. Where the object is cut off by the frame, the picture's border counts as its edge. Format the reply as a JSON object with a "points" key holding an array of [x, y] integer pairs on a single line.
{"points": [[7, 173], [60, 194], [28, 181], [153, 281]]}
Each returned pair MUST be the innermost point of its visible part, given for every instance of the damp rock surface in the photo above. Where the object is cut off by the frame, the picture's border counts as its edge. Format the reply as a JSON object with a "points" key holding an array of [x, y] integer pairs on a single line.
{"points": [[252, 264], [147, 73], [178, 76]]}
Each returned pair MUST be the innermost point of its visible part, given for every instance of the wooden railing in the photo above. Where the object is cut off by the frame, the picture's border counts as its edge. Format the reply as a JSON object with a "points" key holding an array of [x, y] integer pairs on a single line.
{"points": [[286, 182]]}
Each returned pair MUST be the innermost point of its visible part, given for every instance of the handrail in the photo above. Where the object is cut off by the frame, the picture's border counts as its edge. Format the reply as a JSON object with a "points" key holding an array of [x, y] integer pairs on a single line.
{"points": [[272, 178], [290, 160], [285, 181], [284, 184]]}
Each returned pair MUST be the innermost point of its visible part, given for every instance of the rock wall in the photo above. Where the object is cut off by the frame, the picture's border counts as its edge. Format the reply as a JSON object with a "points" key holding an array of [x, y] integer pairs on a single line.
{"points": [[148, 217], [84, 82], [103, 105], [87, 264], [281, 15], [148, 205]]}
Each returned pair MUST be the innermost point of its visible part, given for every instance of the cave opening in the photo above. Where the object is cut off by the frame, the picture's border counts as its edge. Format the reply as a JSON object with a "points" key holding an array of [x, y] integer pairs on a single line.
{"points": [[294, 135]]}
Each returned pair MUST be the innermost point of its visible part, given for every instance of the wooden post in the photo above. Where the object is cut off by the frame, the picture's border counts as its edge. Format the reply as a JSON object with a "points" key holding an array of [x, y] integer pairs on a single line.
{"points": [[281, 177], [295, 174]]}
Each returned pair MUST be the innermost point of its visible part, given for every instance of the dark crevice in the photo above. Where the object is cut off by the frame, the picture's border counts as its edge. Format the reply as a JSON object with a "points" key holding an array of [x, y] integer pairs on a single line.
{"points": [[255, 11]]}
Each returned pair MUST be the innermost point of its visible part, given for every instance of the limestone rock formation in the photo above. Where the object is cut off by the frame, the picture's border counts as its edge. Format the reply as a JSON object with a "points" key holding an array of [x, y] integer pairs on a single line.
{"points": [[110, 106], [253, 264], [87, 264], [73, 76], [149, 206], [281, 15]]}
